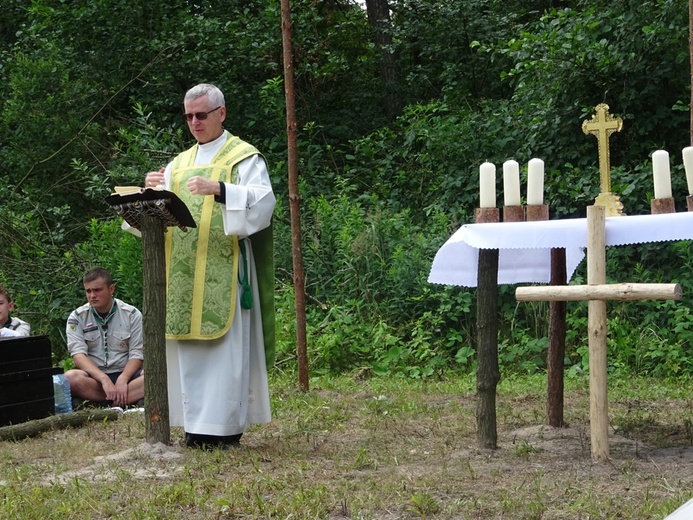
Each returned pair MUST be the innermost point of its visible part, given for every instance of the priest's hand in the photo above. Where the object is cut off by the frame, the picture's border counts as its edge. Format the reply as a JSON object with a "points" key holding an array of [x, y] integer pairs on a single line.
{"points": [[153, 179], [203, 186]]}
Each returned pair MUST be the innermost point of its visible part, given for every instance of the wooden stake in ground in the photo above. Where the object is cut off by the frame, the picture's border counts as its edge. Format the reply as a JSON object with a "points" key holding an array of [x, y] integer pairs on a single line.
{"points": [[597, 292]]}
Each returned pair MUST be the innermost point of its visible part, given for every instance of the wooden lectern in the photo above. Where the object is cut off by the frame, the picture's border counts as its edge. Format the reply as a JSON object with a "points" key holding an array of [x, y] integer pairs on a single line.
{"points": [[151, 211]]}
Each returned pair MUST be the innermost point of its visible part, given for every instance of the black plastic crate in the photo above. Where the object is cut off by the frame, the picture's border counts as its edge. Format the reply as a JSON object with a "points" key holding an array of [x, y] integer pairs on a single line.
{"points": [[26, 379]]}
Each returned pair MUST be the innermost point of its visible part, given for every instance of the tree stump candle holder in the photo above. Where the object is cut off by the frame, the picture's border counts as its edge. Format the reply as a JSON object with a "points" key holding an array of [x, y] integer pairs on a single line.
{"points": [[666, 205], [486, 215], [513, 213], [537, 212]]}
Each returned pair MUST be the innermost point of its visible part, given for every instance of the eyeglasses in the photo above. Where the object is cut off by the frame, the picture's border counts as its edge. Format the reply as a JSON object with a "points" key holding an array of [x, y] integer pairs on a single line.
{"points": [[201, 116]]}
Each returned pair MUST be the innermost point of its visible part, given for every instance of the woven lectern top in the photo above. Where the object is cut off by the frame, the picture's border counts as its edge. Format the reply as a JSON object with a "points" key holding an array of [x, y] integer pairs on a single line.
{"points": [[161, 204]]}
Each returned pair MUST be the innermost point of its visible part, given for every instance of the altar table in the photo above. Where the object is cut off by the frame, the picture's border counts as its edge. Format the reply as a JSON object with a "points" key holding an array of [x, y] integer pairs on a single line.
{"points": [[525, 247]]}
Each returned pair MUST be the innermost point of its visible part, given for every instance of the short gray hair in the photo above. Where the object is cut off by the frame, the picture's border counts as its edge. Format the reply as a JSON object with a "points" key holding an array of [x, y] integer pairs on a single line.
{"points": [[216, 97]]}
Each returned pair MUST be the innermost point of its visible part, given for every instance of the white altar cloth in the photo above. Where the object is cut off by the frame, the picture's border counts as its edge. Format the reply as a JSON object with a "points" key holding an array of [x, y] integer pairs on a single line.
{"points": [[685, 512], [525, 247]]}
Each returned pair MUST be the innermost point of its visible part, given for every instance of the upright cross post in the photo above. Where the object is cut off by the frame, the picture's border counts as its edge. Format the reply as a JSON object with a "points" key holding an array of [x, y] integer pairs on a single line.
{"points": [[602, 125], [598, 292], [596, 330]]}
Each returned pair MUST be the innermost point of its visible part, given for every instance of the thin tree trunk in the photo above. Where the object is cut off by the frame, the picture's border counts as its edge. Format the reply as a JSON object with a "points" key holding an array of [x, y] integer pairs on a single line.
{"points": [[157, 427], [294, 199], [487, 373]]}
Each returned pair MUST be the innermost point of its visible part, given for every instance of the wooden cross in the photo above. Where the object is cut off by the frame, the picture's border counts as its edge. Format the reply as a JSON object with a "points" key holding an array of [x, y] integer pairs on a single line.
{"points": [[598, 292], [602, 125]]}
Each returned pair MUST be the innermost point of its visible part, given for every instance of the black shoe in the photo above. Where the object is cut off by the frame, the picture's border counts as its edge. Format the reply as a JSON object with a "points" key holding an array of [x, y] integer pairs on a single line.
{"points": [[211, 442]]}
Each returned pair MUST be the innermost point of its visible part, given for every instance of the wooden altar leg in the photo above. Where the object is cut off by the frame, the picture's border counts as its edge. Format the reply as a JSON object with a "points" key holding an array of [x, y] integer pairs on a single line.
{"points": [[157, 427], [556, 351], [487, 372]]}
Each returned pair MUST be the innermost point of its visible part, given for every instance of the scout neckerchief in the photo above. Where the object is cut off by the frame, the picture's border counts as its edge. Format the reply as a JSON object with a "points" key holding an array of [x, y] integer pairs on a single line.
{"points": [[7, 325], [102, 320]]}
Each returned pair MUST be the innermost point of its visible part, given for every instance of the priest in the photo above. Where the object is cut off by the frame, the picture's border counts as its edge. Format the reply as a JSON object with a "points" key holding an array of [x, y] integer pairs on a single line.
{"points": [[219, 308]]}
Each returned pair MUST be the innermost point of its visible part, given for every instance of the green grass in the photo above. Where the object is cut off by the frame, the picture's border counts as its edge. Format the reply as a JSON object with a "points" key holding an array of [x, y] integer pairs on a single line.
{"points": [[374, 449]]}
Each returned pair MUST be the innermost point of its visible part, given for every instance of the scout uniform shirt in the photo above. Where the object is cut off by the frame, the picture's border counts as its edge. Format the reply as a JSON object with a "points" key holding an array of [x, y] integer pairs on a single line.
{"points": [[109, 342], [14, 328]]}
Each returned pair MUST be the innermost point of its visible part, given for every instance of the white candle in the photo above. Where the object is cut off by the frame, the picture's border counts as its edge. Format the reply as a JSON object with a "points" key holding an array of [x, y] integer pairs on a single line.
{"points": [[688, 165], [535, 182], [661, 174], [511, 183], [487, 185]]}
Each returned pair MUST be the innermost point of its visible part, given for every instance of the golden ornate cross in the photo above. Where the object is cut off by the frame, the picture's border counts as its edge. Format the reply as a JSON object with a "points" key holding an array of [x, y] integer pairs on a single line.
{"points": [[602, 125]]}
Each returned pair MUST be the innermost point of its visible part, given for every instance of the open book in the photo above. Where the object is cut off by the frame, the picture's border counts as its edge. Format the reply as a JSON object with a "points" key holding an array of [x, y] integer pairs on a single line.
{"points": [[132, 202], [129, 190]]}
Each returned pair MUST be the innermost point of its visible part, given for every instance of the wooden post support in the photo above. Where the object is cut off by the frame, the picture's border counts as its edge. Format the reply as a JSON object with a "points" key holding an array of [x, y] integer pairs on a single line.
{"points": [[487, 373], [689, 198], [555, 356], [157, 427], [661, 206], [557, 328]]}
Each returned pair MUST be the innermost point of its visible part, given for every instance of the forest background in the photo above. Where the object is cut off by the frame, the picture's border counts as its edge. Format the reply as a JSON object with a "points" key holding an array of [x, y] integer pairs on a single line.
{"points": [[398, 105]]}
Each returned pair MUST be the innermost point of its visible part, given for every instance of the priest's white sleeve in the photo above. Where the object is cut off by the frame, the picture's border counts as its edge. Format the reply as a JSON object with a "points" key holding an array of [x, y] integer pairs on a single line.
{"points": [[250, 202]]}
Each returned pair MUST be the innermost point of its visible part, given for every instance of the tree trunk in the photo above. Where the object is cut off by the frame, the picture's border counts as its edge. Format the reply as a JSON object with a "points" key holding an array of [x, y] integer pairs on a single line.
{"points": [[294, 199], [157, 427], [33, 428], [378, 12], [556, 351], [487, 373]]}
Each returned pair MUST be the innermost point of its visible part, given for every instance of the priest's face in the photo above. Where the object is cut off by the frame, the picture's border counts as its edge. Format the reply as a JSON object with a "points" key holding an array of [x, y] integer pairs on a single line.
{"points": [[204, 120], [99, 295]]}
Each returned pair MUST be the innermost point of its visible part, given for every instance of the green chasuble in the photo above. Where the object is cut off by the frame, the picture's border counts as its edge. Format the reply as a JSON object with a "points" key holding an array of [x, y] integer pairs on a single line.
{"points": [[202, 262]]}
